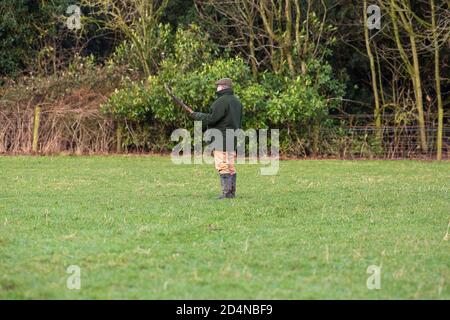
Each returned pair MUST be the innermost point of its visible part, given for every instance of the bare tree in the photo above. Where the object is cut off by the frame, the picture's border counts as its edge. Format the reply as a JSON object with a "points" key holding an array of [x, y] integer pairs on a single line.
{"points": [[270, 33], [136, 20]]}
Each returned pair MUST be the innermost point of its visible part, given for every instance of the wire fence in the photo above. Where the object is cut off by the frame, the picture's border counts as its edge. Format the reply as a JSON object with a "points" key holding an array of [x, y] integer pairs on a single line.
{"points": [[397, 140]]}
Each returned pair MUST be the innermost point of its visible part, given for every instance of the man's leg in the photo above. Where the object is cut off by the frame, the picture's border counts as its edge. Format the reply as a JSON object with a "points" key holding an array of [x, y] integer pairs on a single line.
{"points": [[221, 164], [232, 169]]}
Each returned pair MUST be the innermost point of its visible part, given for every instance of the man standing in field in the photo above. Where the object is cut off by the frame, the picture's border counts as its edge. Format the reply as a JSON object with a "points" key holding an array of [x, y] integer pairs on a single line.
{"points": [[226, 113]]}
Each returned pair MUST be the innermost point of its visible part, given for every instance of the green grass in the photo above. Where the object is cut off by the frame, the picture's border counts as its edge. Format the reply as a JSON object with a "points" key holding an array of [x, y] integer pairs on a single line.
{"points": [[142, 227]]}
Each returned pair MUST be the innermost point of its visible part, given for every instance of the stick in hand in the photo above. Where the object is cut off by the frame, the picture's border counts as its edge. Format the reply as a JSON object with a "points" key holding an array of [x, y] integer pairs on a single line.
{"points": [[177, 100]]}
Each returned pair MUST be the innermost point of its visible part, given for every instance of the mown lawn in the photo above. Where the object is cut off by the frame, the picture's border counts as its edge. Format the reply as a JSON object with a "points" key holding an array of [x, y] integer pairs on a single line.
{"points": [[142, 227]]}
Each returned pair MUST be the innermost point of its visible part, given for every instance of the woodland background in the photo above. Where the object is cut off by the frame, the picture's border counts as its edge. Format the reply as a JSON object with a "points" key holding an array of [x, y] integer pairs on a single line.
{"points": [[311, 68]]}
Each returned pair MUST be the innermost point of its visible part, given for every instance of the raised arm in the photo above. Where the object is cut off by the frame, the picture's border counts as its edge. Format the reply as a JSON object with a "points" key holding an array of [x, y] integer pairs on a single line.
{"points": [[218, 110]]}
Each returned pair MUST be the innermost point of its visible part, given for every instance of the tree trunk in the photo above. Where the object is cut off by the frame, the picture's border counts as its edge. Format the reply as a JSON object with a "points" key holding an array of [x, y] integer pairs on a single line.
{"points": [[373, 73], [438, 82], [413, 69], [419, 95]]}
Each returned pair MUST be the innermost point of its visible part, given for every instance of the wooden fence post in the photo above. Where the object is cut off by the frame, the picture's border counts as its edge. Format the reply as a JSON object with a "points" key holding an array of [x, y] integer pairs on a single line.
{"points": [[37, 116], [119, 137]]}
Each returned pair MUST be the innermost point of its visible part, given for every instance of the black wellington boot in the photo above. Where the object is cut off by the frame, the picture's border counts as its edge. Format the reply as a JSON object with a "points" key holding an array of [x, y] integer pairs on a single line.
{"points": [[233, 186], [225, 184]]}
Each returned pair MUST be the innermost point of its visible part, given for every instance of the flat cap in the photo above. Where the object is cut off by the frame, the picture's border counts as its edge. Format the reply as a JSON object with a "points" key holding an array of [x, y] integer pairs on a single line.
{"points": [[225, 82]]}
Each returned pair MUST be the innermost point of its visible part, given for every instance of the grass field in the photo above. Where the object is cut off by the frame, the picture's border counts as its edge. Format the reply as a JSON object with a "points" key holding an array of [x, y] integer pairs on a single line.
{"points": [[142, 227]]}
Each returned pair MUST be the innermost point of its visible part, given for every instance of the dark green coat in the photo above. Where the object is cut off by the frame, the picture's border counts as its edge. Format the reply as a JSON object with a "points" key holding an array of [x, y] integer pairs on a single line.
{"points": [[226, 113]]}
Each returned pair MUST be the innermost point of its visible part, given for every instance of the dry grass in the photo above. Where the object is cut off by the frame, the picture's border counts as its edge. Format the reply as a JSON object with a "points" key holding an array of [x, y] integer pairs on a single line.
{"points": [[71, 124]]}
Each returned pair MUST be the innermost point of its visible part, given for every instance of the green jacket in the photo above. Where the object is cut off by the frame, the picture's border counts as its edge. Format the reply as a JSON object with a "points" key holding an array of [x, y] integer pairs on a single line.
{"points": [[226, 113]]}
